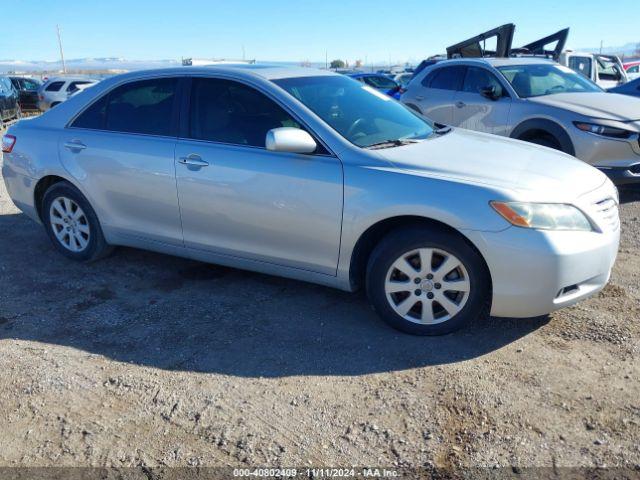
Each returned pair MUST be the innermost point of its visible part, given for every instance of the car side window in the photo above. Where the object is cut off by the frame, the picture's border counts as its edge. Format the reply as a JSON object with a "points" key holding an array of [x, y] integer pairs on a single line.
{"points": [[230, 112], [445, 78], [93, 117], [144, 107], [73, 86], [581, 65], [477, 79], [54, 86]]}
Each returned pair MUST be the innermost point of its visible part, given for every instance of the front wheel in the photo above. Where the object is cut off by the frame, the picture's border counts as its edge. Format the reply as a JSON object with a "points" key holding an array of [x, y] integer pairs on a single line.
{"points": [[72, 225], [427, 282]]}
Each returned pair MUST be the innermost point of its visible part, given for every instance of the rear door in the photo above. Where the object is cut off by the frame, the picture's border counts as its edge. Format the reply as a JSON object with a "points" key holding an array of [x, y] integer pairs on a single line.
{"points": [[121, 149], [436, 99], [477, 112], [241, 200]]}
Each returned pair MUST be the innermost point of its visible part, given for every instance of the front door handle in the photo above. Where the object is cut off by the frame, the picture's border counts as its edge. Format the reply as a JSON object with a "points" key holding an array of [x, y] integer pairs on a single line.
{"points": [[75, 145], [194, 160], [461, 104], [419, 97]]}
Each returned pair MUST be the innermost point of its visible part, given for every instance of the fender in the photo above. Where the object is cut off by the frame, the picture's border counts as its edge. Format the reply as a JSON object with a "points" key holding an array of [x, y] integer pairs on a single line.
{"points": [[549, 127]]}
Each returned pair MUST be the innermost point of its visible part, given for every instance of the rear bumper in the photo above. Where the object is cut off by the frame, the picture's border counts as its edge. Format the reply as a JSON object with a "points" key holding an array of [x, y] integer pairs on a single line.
{"points": [[536, 272], [20, 189]]}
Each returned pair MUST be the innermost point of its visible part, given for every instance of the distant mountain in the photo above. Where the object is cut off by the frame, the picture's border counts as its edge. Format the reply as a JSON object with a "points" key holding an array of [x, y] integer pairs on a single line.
{"points": [[627, 50], [106, 63]]}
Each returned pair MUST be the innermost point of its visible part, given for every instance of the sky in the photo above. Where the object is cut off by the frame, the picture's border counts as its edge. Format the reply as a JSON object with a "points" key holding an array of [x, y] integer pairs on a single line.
{"points": [[288, 30]]}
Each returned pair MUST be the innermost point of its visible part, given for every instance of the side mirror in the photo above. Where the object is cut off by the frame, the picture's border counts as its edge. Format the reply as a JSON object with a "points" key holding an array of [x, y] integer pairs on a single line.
{"points": [[289, 139], [492, 93]]}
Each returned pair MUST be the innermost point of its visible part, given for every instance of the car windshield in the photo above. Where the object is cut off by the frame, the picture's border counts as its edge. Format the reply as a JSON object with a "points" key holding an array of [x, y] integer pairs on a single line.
{"points": [[538, 80], [358, 112]]}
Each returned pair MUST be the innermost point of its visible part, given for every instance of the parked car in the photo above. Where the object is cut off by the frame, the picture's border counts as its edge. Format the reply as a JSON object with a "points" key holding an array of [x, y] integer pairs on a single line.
{"points": [[382, 83], [9, 106], [57, 89], [605, 70], [536, 100], [402, 79], [311, 175], [630, 88], [632, 69], [27, 89]]}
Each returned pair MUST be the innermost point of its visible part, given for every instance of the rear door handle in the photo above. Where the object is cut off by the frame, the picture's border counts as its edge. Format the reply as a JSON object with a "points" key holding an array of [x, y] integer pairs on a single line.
{"points": [[461, 104], [194, 160], [419, 97], [75, 145]]}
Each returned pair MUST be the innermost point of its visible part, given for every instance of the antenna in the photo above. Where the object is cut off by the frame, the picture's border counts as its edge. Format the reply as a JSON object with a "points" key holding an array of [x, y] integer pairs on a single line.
{"points": [[64, 67]]}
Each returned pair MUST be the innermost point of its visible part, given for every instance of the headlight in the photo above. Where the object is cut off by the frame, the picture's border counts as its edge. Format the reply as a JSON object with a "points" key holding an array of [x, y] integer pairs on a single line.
{"points": [[543, 216], [604, 130]]}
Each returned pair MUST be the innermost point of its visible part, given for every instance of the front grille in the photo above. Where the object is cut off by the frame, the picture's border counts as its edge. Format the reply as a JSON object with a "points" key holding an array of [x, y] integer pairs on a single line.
{"points": [[606, 214]]}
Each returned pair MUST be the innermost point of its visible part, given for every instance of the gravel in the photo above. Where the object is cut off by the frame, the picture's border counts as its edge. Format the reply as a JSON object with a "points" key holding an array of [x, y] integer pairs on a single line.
{"points": [[152, 361]]}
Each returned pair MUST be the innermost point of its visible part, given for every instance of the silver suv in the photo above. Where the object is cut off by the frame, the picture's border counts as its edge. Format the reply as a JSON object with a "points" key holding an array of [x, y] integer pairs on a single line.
{"points": [[536, 100], [56, 90]]}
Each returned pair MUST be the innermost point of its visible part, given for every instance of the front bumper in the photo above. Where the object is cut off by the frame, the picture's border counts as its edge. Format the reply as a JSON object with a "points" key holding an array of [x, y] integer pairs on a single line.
{"points": [[623, 175], [536, 272]]}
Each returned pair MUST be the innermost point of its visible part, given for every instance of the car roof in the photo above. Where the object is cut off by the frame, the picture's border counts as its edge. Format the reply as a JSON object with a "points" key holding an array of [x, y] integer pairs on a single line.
{"points": [[367, 75], [264, 71], [498, 61], [71, 78]]}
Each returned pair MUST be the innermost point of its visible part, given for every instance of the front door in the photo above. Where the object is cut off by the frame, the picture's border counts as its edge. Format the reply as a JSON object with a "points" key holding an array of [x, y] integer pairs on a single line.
{"points": [[239, 199], [474, 111]]}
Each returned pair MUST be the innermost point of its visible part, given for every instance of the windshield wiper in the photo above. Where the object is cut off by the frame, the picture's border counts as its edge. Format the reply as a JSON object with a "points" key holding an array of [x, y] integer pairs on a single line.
{"points": [[398, 142]]}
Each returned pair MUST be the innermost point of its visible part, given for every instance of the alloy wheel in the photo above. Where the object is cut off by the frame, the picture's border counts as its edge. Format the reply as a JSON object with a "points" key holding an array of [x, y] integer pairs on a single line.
{"points": [[69, 224], [427, 286]]}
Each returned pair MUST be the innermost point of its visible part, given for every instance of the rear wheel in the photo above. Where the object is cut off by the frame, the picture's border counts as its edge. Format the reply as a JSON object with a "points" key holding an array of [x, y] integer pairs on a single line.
{"points": [[427, 282], [72, 224]]}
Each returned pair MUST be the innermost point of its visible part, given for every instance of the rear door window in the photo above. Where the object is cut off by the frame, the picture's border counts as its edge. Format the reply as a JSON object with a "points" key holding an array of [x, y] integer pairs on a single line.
{"points": [[144, 107], [445, 78], [54, 86], [93, 117]]}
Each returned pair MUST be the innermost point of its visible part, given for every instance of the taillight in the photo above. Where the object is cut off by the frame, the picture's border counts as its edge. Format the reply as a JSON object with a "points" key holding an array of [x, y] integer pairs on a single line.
{"points": [[8, 142], [41, 97]]}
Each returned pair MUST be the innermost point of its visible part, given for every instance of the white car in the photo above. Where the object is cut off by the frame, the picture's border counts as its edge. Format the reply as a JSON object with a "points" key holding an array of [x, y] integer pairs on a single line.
{"points": [[58, 89]]}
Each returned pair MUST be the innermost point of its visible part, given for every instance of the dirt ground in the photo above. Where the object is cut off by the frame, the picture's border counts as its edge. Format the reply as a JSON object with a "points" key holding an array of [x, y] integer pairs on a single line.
{"points": [[154, 361]]}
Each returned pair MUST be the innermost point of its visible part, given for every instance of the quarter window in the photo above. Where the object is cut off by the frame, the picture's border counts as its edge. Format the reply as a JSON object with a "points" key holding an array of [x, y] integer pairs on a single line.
{"points": [[54, 86], [445, 78], [230, 112]]}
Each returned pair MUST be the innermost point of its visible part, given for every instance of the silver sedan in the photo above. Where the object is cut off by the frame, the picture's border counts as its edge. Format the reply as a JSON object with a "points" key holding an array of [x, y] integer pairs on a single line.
{"points": [[314, 176]]}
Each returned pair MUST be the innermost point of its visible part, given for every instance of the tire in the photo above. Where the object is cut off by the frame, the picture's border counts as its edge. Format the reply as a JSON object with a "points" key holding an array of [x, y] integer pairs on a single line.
{"points": [[54, 104], [415, 244], [72, 224], [546, 141]]}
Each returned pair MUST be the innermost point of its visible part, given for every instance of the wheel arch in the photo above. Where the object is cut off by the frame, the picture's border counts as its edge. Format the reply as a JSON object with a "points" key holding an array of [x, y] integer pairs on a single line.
{"points": [[41, 188], [532, 128], [375, 233]]}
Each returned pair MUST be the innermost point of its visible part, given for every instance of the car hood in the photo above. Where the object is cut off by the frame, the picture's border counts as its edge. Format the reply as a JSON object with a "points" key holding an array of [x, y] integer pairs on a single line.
{"points": [[610, 106], [507, 164]]}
